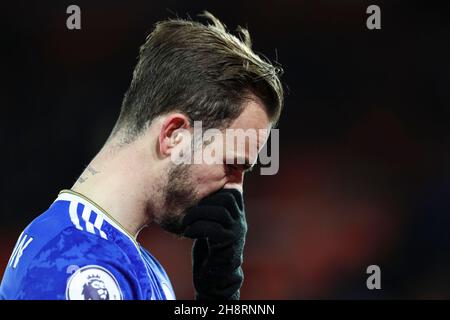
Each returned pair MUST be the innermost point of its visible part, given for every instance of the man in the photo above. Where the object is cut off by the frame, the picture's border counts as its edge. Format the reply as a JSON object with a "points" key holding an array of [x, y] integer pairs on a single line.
{"points": [[84, 246]]}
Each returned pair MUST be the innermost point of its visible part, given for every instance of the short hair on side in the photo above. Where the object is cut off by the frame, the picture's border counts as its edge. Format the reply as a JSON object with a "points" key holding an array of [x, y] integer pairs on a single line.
{"points": [[200, 70]]}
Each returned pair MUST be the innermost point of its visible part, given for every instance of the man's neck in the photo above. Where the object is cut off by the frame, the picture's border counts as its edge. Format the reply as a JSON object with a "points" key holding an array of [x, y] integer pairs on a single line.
{"points": [[115, 181]]}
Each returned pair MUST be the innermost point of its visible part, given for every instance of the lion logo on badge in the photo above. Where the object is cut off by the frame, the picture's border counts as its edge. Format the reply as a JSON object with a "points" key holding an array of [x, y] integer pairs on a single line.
{"points": [[95, 289], [93, 283]]}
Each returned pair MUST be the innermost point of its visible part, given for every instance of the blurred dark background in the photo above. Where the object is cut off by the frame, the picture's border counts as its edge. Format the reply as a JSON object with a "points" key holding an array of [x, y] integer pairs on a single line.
{"points": [[365, 164]]}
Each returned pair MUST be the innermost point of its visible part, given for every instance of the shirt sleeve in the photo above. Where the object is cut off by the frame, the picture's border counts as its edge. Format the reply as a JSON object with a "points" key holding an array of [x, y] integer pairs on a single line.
{"points": [[77, 265]]}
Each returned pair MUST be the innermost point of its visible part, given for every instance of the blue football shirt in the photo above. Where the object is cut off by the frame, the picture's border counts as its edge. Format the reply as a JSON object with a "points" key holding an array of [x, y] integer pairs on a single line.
{"points": [[76, 251]]}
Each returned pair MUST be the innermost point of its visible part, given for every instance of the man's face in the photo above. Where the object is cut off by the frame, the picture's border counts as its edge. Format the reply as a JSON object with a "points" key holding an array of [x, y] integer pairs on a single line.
{"points": [[234, 152]]}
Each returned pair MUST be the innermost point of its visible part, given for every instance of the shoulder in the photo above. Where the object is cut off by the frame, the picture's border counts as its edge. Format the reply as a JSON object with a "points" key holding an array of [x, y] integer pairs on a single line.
{"points": [[67, 231], [73, 245], [67, 245], [75, 265], [72, 230]]}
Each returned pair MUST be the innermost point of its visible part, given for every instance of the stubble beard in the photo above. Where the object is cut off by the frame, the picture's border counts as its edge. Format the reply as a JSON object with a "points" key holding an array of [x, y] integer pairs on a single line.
{"points": [[179, 194]]}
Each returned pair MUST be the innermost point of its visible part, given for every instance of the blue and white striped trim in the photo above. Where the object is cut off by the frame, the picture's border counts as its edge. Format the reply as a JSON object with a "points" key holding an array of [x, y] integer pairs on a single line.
{"points": [[80, 217], [83, 215], [88, 220]]}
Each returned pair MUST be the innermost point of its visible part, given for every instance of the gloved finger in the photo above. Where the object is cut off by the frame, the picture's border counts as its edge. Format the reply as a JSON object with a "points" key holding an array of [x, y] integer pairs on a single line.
{"points": [[208, 213], [210, 230], [238, 196], [231, 199]]}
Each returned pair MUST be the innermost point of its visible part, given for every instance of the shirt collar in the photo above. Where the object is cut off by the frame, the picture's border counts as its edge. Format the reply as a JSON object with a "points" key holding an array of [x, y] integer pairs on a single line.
{"points": [[70, 195]]}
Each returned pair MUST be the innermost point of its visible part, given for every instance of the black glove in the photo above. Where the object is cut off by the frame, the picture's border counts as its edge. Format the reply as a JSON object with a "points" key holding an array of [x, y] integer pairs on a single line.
{"points": [[219, 226]]}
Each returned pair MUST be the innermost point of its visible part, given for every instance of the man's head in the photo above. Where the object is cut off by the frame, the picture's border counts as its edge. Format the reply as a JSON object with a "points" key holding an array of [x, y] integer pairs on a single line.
{"points": [[187, 72]]}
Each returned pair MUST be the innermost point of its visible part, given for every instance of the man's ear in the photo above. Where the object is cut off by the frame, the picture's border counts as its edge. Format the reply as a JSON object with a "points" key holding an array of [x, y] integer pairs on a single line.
{"points": [[172, 132]]}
